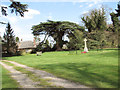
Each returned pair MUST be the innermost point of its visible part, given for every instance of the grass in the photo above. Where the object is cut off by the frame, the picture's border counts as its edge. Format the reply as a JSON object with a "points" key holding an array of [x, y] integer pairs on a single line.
{"points": [[95, 69], [7, 80]]}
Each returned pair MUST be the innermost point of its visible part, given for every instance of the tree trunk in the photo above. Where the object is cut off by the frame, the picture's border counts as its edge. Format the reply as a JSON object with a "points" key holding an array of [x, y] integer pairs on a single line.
{"points": [[8, 47], [59, 43]]}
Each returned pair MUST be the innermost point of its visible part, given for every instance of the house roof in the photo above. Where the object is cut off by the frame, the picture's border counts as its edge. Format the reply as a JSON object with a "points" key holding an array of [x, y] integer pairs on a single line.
{"points": [[25, 45]]}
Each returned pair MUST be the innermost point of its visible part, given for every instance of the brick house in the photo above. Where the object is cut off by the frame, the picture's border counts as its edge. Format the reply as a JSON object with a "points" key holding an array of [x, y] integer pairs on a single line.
{"points": [[27, 46]]}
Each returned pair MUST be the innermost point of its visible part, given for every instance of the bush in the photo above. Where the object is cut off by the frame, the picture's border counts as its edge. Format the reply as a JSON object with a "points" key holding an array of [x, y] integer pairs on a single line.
{"points": [[43, 47]]}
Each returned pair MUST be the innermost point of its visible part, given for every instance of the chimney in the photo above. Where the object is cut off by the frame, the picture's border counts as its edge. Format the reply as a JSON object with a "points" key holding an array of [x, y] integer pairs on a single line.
{"points": [[21, 40]]}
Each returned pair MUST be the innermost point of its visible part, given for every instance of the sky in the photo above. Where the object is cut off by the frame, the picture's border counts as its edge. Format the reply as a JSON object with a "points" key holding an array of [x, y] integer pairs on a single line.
{"points": [[41, 11]]}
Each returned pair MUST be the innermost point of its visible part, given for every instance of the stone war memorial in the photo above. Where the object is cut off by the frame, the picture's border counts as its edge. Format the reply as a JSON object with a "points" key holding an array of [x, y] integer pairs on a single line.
{"points": [[85, 48]]}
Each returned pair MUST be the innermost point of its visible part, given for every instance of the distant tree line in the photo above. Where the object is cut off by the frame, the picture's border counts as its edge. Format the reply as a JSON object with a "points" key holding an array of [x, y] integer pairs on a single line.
{"points": [[99, 33]]}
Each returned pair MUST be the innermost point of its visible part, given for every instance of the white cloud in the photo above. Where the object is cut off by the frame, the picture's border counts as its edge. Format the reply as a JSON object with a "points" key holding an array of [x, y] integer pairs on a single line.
{"points": [[95, 2], [85, 12], [99, 5], [13, 19], [17, 30], [26, 37], [27, 15], [90, 5], [4, 5], [30, 14], [23, 32], [81, 5], [2, 30]]}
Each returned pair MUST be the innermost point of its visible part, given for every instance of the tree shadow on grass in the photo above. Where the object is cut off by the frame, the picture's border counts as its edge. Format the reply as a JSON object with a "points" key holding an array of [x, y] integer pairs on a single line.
{"points": [[86, 74]]}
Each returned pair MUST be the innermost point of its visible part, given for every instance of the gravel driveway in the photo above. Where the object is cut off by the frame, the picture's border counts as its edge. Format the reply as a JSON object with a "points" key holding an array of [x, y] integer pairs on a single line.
{"points": [[26, 82]]}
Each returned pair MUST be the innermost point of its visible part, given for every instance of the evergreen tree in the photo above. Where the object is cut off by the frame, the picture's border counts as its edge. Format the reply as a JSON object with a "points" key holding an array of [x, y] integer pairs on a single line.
{"points": [[118, 14], [57, 30], [16, 7], [115, 21], [76, 40], [96, 20], [0, 46], [9, 40], [118, 10], [43, 46], [17, 39], [96, 24], [116, 27]]}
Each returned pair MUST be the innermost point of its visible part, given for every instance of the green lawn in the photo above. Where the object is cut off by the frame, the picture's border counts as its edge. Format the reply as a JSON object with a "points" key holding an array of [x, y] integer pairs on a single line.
{"points": [[7, 80], [94, 69]]}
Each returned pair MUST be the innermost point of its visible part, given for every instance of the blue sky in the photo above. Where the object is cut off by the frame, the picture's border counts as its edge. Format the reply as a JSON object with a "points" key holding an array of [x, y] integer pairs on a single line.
{"points": [[57, 11]]}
